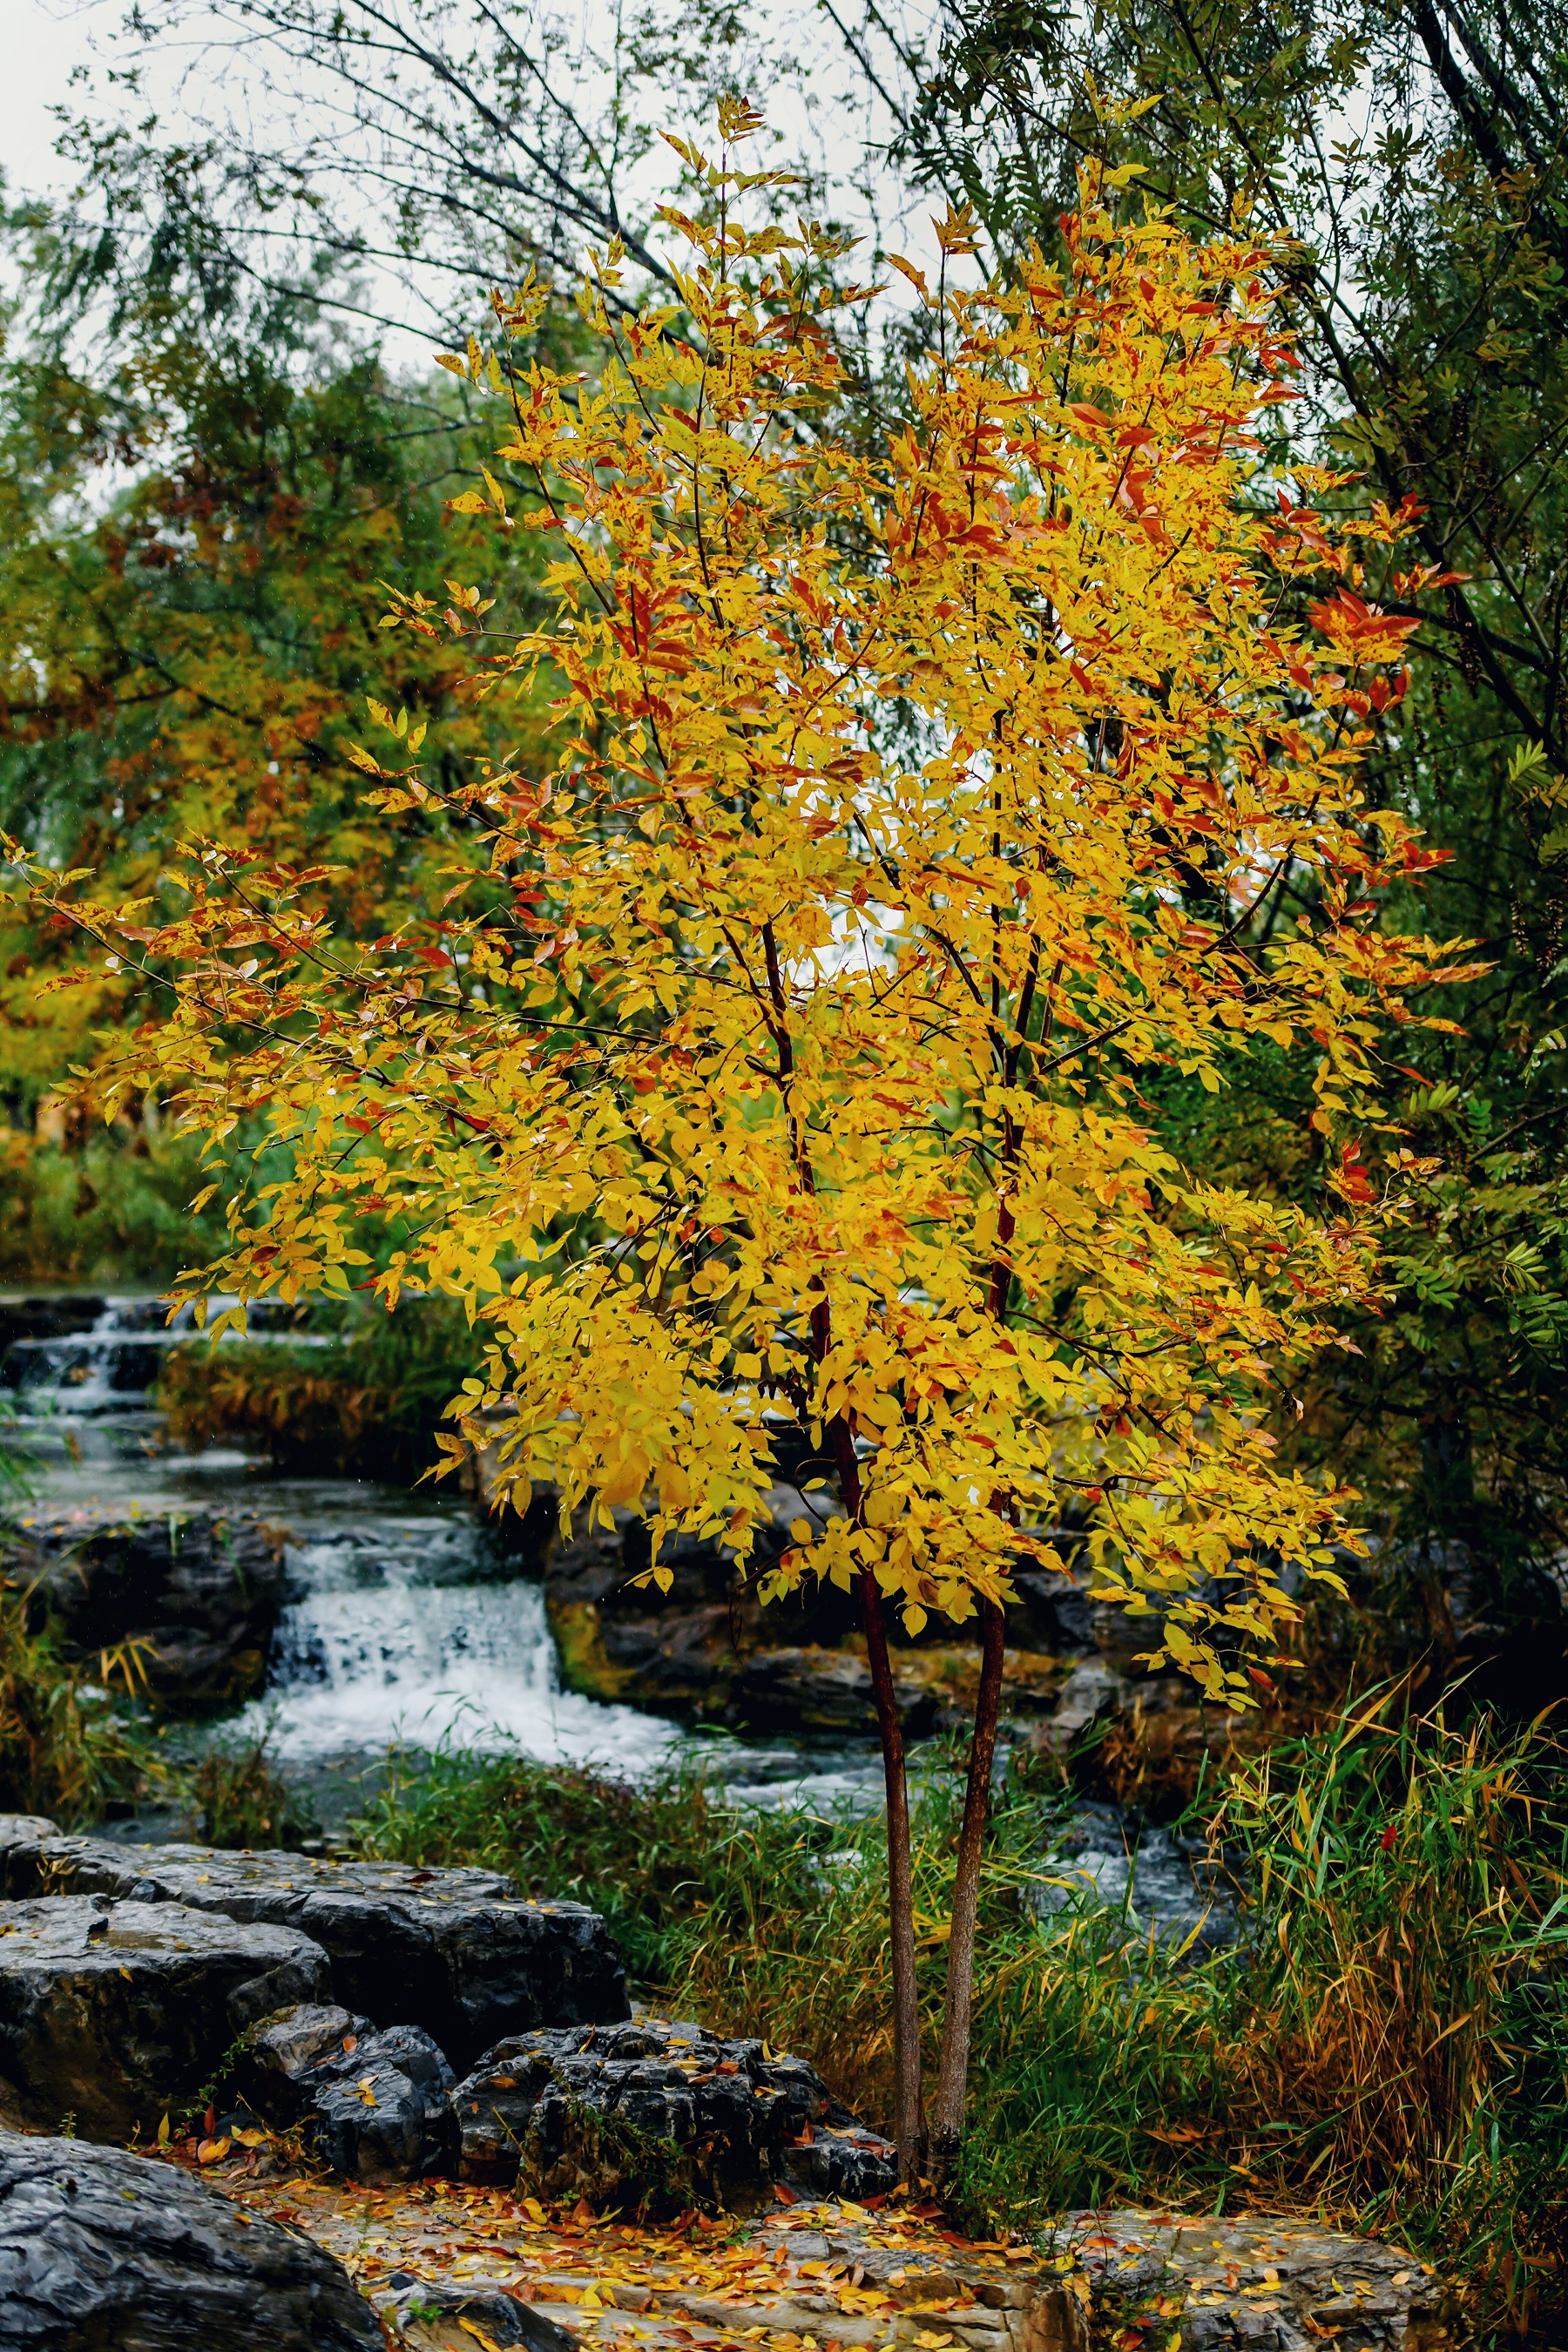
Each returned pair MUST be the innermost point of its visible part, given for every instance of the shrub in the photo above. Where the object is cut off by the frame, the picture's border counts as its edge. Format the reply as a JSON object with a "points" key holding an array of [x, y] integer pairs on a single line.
{"points": [[111, 1210], [67, 1749], [363, 1405]]}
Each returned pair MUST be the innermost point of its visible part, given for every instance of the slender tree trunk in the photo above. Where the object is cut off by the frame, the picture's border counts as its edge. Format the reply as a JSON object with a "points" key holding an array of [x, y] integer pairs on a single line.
{"points": [[947, 2120], [910, 2128], [909, 2108]]}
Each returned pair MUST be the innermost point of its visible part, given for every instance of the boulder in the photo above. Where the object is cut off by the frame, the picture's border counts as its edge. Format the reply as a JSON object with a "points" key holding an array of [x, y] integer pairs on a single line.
{"points": [[272, 2074], [1272, 2284], [116, 2013], [457, 1952], [202, 1591], [678, 1652], [1091, 1693], [437, 2317], [1052, 1612], [1168, 1891], [823, 1690], [382, 2111], [655, 2117], [100, 2249]]}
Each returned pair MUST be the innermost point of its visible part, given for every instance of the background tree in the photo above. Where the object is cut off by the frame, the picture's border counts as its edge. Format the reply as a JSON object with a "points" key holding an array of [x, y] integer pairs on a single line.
{"points": [[1414, 155], [201, 490]]}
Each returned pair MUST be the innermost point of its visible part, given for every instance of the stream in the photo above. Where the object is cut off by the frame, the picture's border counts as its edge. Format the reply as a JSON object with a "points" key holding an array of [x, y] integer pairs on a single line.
{"points": [[408, 1627], [405, 1625]]}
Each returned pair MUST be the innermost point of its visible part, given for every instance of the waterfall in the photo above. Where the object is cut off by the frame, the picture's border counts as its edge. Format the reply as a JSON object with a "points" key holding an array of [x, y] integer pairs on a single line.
{"points": [[401, 1630]]}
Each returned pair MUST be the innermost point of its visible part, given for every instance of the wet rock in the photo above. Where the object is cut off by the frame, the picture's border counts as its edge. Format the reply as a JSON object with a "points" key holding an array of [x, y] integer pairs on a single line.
{"points": [[1162, 1886], [273, 2074], [201, 1592], [456, 1952], [828, 2159], [1092, 1692], [1272, 2285], [382, 2111], [1052, 1612], [822, 1690], [116, 2013], [431, 2315], [656, 2116], [63, 1315], [677, 1652], [100, 2249]]}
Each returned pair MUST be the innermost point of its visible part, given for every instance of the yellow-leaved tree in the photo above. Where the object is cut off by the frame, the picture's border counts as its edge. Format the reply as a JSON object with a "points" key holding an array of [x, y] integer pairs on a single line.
{"points": [[913, 807]]}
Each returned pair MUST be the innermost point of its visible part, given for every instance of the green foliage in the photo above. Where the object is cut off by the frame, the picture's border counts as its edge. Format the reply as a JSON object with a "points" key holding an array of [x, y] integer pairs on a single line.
{"points": [[364, 1404], [1388, 2043], [1453, 1418], [203, 506], [116, 1208], [67, 1745], [1416, 155]]}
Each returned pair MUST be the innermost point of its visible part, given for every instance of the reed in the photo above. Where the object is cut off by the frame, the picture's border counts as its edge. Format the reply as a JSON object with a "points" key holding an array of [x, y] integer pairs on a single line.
{"points": [[68, 1745], [1386, 2046]]}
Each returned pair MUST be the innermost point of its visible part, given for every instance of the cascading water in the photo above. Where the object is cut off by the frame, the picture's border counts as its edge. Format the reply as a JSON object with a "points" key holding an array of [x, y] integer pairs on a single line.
{"points": [[401, 1630], [401, 1625]]}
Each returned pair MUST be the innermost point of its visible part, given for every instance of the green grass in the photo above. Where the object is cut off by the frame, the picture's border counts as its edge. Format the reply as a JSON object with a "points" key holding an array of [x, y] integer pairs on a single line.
{"points": [[1387, 2047], [657, 1859]]}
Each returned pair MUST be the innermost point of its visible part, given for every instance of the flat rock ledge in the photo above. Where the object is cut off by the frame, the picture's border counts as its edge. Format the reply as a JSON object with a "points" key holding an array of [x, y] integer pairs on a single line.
{"points": [[112, 2013], [835, 2274], [456, 1952], [100, 2249], [1267, 2283]]}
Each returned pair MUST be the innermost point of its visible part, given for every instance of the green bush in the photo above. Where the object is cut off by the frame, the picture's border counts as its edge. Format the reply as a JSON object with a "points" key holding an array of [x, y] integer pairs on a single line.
{"points": [[111, 1210]]}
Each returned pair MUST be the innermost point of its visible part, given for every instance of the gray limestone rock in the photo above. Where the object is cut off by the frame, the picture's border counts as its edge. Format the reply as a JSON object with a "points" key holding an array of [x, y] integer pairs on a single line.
{"points": [[940, 2290], [382, 2111], [821, 1690], [273, 2074], [457, 1952], [657, 2115], [103, 2251], [1092, 1692], [116, 2013], [203, 1590], [429, 2315], [1163, 1885], [1270, 2284]]}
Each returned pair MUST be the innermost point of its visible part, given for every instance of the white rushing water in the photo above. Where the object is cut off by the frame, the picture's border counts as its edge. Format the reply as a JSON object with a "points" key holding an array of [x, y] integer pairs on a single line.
{"points": [[399, 1635], [404, 1626]]}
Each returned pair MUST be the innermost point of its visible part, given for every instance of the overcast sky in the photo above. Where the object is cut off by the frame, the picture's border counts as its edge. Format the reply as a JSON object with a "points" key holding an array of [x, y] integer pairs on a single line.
{"points": [[60, 52]]}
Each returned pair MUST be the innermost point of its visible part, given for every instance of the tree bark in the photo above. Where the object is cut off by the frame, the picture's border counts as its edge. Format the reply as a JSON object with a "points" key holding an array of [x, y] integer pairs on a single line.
{"points": [[953, 2074], [908, 2125]]}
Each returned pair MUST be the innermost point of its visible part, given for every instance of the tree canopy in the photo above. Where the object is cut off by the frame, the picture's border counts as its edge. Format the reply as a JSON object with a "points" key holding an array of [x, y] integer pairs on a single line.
{"points": [[906, 813]]}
